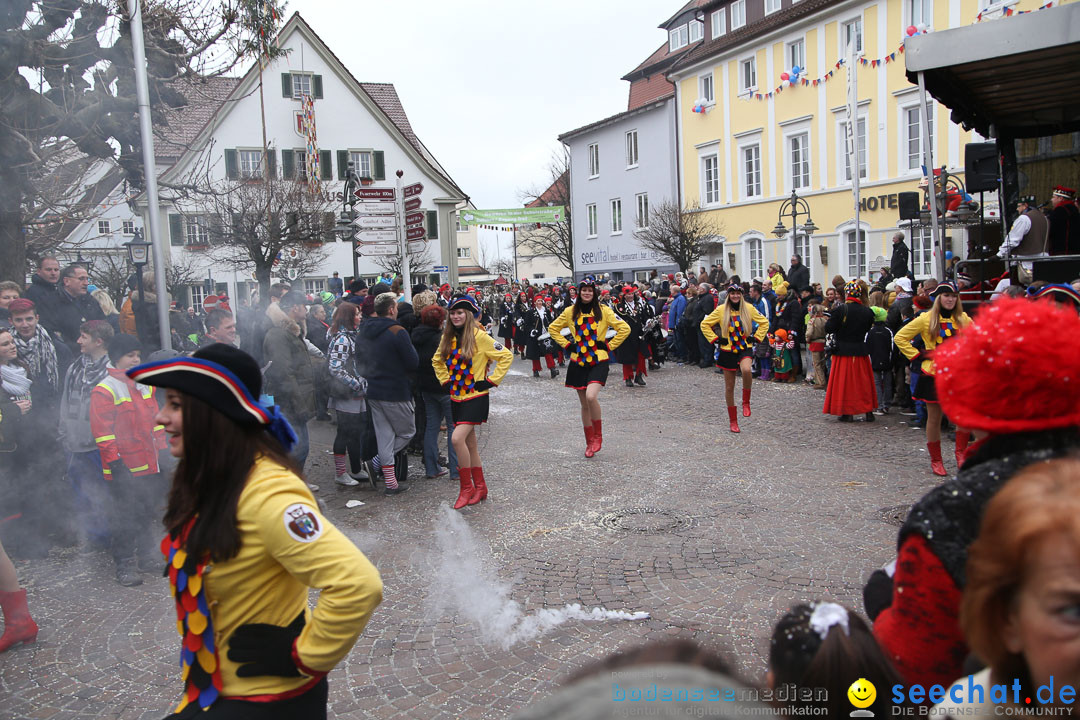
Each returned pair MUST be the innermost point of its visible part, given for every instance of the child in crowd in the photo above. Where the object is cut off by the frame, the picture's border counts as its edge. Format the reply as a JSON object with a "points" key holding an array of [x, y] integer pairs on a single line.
{"points": [[815, 339], [882, 353], [782, 362], [827, 646]]}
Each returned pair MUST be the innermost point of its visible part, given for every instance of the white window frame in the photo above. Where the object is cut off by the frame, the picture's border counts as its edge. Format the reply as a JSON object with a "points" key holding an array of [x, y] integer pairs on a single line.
{"points": [[297, 79], [792, 61], [922, 252], [632, 155], [696, 30], [707, 88], [925, 9], [196, 230], [841, 148], [904, 159], [738, 14], [719, 23], [802, 136], [594, 160], [464, 253], [775, 4], [249, 162], [744, 178], [591, 220], [801, 247], [755, 256], [710, 179], [314, 286], [363, 162], [198, 294], [678, 38], [616, 216], [858, 271], [842, 39], [128, 227], [104, 227], [641, 213], [300, 163], [745, 89]]}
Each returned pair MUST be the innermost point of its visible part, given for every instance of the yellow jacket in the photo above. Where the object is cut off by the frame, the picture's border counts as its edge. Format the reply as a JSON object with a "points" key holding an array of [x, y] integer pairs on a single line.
{"points": [[716, 317], [268, 581], [921, 326], [578, 343], [487, 351]]}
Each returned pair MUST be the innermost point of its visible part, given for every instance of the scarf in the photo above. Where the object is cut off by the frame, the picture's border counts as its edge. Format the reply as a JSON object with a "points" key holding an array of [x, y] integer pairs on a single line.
{"points": [[14, 381], [40, 354], [82, 376]]}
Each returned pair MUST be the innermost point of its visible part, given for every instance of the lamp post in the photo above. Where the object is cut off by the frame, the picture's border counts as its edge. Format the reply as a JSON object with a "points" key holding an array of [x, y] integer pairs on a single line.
{"points": [[794, 207], [138, 252]]}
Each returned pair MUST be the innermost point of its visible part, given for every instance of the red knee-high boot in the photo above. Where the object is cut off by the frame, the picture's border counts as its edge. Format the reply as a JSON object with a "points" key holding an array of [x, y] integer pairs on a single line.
{"points": [[590, 441], [962, 438], [466, 492], [19, 627], [746, 402], [598, 435], [936, 464], [733, 416], [480, 489]]}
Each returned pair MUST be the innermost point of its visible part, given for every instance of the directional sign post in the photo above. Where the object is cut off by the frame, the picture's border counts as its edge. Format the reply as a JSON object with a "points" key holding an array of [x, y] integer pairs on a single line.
{"points": [[413, 190], [412, 204], [376, 236], [377, 207], [376, 221], [379, 250], [375, 193], [415, 233], [417, 246], [414, 219]]}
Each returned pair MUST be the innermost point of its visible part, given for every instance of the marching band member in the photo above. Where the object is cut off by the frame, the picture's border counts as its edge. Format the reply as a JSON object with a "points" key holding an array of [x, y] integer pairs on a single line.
{"points": [[741, 326]]}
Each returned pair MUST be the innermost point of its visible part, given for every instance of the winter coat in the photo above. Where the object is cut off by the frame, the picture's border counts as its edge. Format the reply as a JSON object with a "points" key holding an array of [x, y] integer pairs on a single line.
{"points": [[146, 321], [122, 420], [406, 316], [316, 333], [879, 341], [45, 296], [790, 317], [895, 317], [898, 263], [388, 357], [426, 341], [798, 278], [127, 316], [675, 310], [289, 378], [461, 381], [850, 324], [68, 314], [342, 365], [628, 351]]}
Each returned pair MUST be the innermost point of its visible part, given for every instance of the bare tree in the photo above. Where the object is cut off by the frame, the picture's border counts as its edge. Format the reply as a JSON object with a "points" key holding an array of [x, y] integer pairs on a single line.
{"points": [[678, 234], [111, 272], [419, 262], [502, 267], [554, 239]]}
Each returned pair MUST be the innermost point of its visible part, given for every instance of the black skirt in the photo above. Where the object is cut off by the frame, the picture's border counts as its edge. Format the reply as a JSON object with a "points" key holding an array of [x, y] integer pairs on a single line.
{"points": [[729, 360], [311, 705], [580, 377], [473, 411], [925, 388]]}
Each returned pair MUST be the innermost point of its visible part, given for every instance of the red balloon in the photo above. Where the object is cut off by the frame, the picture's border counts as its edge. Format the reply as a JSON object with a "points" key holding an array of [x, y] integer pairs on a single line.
{"points": [[784, 76], [911, 30]]}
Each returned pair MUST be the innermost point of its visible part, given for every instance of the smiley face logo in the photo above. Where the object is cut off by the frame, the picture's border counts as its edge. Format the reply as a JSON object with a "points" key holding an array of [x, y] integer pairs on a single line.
{"points": [[862, 693]]}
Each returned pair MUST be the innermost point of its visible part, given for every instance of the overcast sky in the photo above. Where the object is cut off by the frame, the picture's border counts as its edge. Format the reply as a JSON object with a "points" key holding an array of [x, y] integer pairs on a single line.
{"points": [[488, 85]]}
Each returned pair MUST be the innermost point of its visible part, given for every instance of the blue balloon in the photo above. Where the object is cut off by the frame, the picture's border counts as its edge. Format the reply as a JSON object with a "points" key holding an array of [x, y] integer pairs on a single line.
{"points": [[948, 254], [796, 70]]}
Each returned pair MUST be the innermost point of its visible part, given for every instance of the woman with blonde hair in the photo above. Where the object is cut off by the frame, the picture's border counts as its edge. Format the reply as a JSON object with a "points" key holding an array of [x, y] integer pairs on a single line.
{"points": [[741, 327]]}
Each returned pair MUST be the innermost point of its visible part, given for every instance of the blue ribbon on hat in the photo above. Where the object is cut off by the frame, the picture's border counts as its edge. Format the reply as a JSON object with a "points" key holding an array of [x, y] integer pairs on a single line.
{"points": [[280, 428]]}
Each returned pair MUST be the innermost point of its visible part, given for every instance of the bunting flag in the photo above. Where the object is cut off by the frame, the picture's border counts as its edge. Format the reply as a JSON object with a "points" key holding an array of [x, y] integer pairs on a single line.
{"points": [[312, 160], [1009, 12], [807, 82]]}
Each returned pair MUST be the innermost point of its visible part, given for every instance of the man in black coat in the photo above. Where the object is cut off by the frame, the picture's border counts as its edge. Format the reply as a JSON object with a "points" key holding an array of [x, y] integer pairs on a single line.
{"points": [[706, 304], [798, 275], [43, 289], [72, 307], [898, 264]]}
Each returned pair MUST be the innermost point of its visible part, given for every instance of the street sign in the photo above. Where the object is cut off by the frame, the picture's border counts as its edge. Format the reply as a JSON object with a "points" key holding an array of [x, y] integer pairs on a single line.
{"points": [[376, 221], [377, 207], [412, 204], [376, 236], [417, 246], [414, 233], [370, 250], [375, 193], [414, 218], [412, 190], [441, 268]]}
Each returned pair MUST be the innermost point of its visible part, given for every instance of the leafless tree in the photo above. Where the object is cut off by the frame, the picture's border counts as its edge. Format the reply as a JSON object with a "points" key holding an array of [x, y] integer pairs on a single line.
{"points": [[502, 267], [419, 262], [111, 272], [554, 239], [678, 234]]}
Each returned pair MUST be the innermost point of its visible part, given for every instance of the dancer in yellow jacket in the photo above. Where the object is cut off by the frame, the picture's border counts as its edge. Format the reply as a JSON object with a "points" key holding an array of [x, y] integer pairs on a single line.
{"points": [[741, 327], [938, 325], [584, 329], [246, 543], [462, 364]]}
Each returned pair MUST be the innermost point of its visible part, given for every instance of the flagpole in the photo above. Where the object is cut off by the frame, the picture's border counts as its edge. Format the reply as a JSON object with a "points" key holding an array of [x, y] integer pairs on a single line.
{"points": [[853, 142]]}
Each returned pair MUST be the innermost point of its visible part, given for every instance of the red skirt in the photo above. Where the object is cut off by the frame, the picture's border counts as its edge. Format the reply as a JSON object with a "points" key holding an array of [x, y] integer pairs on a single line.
{"points": [[851, 386]]}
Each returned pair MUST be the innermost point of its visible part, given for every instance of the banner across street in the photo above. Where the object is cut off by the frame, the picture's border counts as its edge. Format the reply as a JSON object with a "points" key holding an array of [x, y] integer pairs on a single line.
{"points": [[514, 216]]}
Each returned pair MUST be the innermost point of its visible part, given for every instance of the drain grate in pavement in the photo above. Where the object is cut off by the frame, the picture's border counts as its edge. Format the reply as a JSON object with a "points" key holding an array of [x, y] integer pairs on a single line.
{"points": [[648, 521], [895, 515]]}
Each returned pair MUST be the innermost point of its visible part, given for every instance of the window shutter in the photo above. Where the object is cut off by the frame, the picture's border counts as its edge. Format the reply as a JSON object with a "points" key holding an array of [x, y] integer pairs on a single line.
{"points": [[271, 159], [288, 171], [176, 229], [326, 166], [329, 225], [286, 85], [316, 86], [342, 163], [432, 225], [232, 165], [380, 165]]}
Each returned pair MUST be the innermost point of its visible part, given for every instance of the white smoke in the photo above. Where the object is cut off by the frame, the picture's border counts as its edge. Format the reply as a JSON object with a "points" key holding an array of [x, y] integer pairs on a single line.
{"points": [[465, 584]]}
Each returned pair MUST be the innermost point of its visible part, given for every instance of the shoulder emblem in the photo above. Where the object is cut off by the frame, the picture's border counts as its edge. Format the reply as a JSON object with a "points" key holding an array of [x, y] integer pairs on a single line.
{"points": [[498, 345], [302, 523]]}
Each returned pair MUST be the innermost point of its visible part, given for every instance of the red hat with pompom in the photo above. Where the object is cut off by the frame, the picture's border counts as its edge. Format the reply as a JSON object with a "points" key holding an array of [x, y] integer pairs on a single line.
{"points": [[1013, 369]]}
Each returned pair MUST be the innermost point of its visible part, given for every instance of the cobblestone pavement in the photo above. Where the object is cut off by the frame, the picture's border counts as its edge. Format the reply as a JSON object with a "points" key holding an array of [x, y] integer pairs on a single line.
{"points": [[711, 533]]}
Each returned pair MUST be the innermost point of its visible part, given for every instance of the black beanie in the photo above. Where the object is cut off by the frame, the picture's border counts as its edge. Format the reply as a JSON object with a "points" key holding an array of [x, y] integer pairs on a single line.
{"points": [[120, 345]]}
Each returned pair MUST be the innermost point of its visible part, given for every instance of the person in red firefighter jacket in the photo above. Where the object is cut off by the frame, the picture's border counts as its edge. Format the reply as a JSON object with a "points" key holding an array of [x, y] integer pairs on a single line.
{"points": [[122, 421]]}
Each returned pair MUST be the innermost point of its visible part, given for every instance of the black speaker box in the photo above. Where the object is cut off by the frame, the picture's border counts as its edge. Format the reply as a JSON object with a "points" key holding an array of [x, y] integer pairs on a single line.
{"points": [[981, 167], [909, 205], [1055, 271]]}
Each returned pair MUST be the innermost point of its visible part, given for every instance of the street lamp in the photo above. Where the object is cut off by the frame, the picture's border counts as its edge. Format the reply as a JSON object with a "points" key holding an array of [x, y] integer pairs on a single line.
{"points": [[85, 262], [794, 207], [138, 252]]}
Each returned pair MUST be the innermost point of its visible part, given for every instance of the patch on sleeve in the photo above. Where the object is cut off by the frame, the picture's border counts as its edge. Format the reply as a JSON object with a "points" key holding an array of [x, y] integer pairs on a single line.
{"points": [[302, 523], [498, 345]]}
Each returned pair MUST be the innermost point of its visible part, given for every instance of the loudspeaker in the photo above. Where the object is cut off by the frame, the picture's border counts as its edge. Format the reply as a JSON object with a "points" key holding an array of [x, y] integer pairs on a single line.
{"points": [[1055, 271], [909, 205], [981, 167]]}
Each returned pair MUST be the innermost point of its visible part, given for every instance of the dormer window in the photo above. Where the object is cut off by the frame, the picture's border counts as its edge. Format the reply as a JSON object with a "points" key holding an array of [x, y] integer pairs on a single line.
{"points": [[697, 30], [678, 38]]}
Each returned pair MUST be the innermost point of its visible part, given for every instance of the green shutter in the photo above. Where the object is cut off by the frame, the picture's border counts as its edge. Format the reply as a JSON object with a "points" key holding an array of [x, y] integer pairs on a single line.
{"points": [[432, 225], [232, 165], [326, 166], [316, 86], [342, 163], [271, 159], [380, 165], [176, 229], [288, 171], [286, 85]]}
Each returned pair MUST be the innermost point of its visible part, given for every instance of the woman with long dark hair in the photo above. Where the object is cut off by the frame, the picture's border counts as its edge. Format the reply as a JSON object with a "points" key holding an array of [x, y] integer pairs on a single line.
{"points": [[586, 325], [741, 326], [238, 504], [462, 364], [347, 389]]}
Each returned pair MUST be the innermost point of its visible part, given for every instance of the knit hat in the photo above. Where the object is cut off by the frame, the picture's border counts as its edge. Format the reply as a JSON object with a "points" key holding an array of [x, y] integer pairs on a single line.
{"points": [[734, 287], [1027, 352], [225, 378], [853, 289], [120, 345], [588, 280], [464, 302], [945, 287], [879, 314], [1059, 292], [781, 289]]}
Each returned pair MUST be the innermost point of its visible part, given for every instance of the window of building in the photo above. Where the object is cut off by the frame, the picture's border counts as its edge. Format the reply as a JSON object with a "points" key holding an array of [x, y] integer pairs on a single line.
{"points": [[129, 227], [922, 252], [705, 88], [301, 85], [678, 38], [196, 230], [300, 158], [719, 23], [314, 286], [920, 12], [361, 160], [710, 179], [751, 160], [198, 294], [772, 6], [800, 246], [641, 216], [631, 149], [845, 155], [590, 214], [754, 257], [796, 54], [594, 160], [616, 216], [913, 135], [103, 227], [856, 253], [250, 163], [738, 14], [748, 75], [851, 36], [799, 153], [697, 30], [464, 253]]}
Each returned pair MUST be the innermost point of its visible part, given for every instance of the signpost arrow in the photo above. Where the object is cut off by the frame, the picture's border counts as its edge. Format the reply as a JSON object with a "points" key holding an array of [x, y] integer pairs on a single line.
{"points": [[377, 207], [376, 193], [376, 221], [369, 250], [414, 218], [376, 236], [414, 233], [411, 190], [417, 246], [412, 204]]}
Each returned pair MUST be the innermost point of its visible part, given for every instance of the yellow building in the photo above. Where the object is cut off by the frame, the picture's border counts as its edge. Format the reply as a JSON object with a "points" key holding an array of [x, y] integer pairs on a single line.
{"points": [[759, 137]]}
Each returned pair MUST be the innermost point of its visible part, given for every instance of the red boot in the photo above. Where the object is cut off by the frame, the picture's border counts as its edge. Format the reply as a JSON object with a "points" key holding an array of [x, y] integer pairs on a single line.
{"points": [[466, 492], [479, 489], [935, 458], [746, 402], [962, 438], [590, 441], [598, 435], [733, 416], [19, 627]]}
